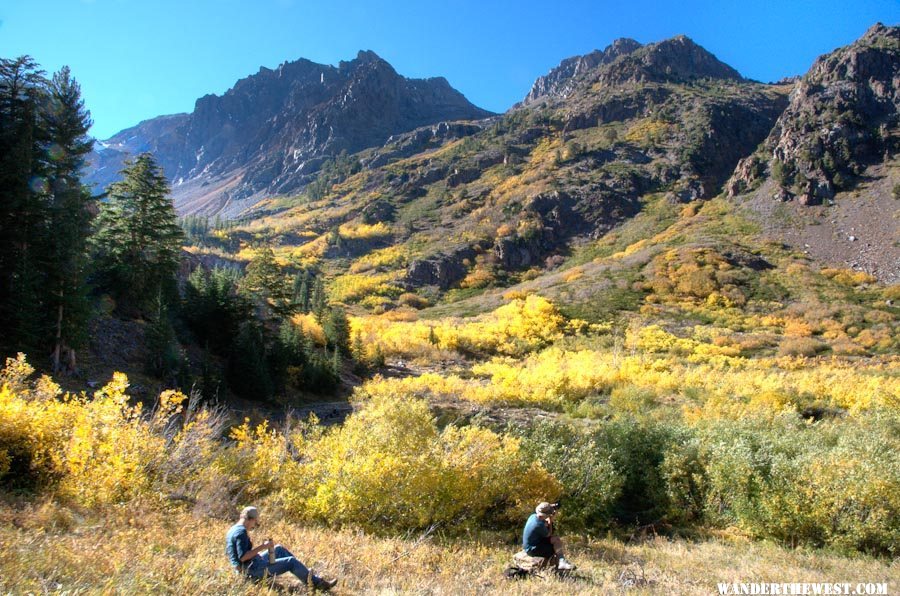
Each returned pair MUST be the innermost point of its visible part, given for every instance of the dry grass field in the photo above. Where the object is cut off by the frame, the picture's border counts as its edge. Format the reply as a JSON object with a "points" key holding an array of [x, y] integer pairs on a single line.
{"points": [[48, 548]]}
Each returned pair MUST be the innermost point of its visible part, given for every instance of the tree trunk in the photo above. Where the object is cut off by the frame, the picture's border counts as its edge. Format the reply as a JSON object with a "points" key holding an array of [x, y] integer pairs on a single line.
{"points": [[58, 345], [73, 368]]}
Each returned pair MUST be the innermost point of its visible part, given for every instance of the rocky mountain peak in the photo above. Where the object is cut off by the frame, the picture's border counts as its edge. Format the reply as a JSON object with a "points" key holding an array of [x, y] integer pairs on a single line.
{"points": [[625, 61], [878, 31], [272, 130], [559, 82], [622, 45], [843, 115], [675, 60], [364, 58]]}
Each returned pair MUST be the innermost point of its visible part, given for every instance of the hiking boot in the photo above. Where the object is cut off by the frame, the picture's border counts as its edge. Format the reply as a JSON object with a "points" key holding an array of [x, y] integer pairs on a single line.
{"points": [[326, 584], [564, 565]]}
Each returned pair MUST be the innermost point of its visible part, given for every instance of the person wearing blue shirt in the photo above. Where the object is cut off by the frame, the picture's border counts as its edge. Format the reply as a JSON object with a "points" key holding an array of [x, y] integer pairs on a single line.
{"points": [[538, 539], [250, 560]]}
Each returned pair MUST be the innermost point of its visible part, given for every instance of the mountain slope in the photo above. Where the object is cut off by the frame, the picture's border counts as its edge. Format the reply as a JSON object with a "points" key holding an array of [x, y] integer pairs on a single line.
{"points": [[825, 179], [162, 136], [271, 132], [558, 81], [488, 203]]}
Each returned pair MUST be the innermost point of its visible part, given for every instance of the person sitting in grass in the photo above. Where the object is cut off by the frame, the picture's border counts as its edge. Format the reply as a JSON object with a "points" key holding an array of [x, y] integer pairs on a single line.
{"points": [[538, 539], [267, 559]]}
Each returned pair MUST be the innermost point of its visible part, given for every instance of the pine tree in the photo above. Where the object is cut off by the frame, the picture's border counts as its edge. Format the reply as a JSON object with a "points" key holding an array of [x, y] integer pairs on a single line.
{"points": [[319, 298], [291, 339], [162, 349], [67, 123], [266, 284], [23, 207], [248, 367], [336, 363], [358, 349], [301, 292], [377, 357], [337, 329], [138, 239]]}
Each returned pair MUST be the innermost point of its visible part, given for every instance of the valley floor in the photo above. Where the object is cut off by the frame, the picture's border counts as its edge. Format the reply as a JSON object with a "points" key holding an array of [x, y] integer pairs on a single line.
{"points": [[49, 548]]}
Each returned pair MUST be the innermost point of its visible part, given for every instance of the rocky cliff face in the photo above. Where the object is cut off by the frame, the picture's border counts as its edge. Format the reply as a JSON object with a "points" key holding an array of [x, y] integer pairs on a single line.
{"points": [[843, 115], [676, 60], [272, 130], [559, 82], [684, 112]]}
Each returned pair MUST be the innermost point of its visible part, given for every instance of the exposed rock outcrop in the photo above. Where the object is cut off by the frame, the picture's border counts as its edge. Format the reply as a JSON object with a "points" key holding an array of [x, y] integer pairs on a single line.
{"points": [[676, 60], [441, 270], [706, 114], [843, 115], [421, 139], [559, 81]]}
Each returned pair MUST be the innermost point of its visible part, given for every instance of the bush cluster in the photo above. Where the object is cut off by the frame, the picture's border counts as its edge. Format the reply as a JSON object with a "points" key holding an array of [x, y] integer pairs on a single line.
{"points": [[389, 468], [758, 466], [835, 483], [100, 449]]}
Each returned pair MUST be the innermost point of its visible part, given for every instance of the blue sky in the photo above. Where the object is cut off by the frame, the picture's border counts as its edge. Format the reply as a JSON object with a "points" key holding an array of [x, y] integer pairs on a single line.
{"points": [[137, 59]]}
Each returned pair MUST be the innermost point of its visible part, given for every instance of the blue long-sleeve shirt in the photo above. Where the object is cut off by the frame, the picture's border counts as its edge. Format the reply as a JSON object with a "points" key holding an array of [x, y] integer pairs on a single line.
{"points": [[237, 544], [536, 536]]}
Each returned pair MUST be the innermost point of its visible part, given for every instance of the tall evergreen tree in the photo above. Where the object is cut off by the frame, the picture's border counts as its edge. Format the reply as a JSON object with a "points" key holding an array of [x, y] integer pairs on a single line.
{"points": [[67, 122], [23, 230], [266, 283], [337, 329], [137, 236], [213, 308], [319, 298], [301, 291]]}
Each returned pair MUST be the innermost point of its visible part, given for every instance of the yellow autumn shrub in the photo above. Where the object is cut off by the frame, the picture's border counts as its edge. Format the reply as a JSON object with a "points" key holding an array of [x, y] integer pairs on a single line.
{"points": [[99, 449], [391, 257], [694, 274], [310, 326], [389, 467], [363, 231], [522, 325], [352, 287], [848, 277], [555, 377], [32, 435], [256, 458]]}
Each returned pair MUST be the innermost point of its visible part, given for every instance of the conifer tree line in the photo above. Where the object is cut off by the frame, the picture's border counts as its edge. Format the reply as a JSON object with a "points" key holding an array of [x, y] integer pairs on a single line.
{"points": [[61, 248], [246, 319], [197, 228], [58, 241], [44, 211]]}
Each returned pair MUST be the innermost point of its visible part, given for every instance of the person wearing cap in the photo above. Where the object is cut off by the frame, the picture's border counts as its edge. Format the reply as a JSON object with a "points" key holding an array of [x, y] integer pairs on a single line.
{"points": [[266, 560], [538, 539]]}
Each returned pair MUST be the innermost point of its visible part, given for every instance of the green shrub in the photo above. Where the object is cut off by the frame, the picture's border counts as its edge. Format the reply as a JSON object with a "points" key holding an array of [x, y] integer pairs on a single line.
{"points": [[632, 399], [611, 475], [752, 467], [591, 483], [835, 483], [683, 471], [637, 449]]}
